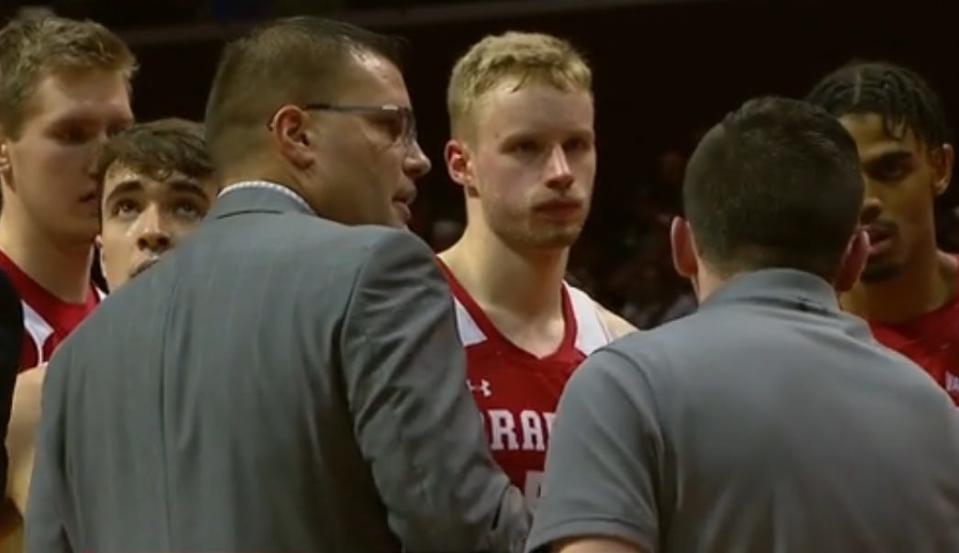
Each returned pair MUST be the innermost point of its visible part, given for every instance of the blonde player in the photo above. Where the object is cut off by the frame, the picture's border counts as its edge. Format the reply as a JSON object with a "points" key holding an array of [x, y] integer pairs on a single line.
{"points": [[523, 149]]}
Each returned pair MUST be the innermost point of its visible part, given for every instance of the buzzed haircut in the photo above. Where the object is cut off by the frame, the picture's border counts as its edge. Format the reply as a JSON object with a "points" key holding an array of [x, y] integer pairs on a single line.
{"points": [[903, 99], [776, 184], [298, 60], [518, 59], [32, 48]]}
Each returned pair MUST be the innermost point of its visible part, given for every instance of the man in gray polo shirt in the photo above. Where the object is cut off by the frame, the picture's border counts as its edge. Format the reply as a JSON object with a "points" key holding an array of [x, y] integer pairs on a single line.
{"points": [[769, 420]]}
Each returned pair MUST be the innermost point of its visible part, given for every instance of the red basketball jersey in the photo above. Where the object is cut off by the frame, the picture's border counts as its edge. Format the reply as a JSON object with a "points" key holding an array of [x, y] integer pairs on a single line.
{"points": [[931, 341], [47, 320], [517, 392]]}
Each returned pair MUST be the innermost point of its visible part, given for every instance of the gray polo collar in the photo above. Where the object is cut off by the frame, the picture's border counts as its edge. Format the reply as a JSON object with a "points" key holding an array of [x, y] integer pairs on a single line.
{"points": [[801, 289]]}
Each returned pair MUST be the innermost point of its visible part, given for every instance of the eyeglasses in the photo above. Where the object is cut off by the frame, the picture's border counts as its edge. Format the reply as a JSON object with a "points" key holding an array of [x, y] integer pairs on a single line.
{"points": [[398, 121]]}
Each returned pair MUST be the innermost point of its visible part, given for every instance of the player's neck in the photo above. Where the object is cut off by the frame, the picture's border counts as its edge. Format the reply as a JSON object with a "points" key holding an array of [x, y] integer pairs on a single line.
{"points": [[62, 269], [527, 284], [928, 284]]}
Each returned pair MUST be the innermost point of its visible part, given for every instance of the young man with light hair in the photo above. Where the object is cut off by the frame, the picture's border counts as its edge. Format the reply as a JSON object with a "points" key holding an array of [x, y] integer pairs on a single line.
{"points": [[523, 149], [64, 89]]}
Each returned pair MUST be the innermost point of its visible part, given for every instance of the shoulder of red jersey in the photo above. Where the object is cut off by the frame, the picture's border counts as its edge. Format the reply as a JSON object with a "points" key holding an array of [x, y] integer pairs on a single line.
{"points": [[592, 332]]}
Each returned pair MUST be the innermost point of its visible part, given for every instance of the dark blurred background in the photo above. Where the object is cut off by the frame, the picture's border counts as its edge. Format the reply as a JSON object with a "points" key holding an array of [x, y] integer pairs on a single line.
{"points": [[665, 70]]}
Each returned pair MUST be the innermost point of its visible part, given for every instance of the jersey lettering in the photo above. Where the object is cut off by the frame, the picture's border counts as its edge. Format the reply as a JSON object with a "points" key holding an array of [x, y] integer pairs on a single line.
{"points": [[502, 426], [517, 392], [533, 439], [529, 433]]}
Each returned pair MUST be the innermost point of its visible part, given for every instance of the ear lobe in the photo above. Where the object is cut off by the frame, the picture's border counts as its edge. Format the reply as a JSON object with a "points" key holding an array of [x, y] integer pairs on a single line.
{"points": [[458, 164], [683, 249], [853, 261]]}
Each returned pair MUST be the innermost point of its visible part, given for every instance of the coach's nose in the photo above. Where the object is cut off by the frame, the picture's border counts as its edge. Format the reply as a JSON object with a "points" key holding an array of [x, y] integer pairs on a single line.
{"points": [[416, 165]]}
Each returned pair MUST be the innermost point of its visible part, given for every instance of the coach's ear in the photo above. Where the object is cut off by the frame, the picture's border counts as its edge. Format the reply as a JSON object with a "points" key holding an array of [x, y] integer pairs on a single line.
{"points": [[853, 261], [293, 136], [685, 260]]}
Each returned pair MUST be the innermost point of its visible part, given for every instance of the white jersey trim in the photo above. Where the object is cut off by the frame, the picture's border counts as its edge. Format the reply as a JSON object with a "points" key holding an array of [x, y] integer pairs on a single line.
{"points": [[38, 329], [591, 331], [952, 382], [470, 333]]}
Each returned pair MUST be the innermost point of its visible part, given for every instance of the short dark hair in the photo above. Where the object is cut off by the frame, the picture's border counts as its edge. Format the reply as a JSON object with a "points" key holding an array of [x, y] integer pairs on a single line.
{"points": [[297, 60], [775, 184], [903, 99], [157, 149]]}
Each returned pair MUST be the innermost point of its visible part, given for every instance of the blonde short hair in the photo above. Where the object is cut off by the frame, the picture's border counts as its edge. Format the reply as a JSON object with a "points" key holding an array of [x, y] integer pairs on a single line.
{"points": [[517, 58], [32, 48]]}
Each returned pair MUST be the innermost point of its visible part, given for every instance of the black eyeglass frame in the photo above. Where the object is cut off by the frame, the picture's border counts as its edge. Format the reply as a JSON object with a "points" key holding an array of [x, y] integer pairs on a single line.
{"points": [[408, 136]]}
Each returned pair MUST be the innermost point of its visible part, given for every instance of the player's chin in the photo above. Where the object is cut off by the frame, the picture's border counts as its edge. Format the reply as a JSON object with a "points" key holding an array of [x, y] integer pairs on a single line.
{"points": [[570, 230], [557, 237]]}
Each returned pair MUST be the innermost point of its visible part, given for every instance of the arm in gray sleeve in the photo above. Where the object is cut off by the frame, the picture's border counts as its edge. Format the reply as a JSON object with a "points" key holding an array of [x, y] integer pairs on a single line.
{"points": [[417, 425], [603, 459], [44, 526]]}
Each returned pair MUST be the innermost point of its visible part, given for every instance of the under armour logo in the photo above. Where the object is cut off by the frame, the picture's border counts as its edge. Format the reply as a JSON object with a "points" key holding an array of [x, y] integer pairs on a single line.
{"points": [[484, 387]]}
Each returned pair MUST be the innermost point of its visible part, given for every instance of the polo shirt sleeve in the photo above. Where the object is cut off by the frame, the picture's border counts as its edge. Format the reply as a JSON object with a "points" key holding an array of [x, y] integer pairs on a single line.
{"points": [[604, 458]]}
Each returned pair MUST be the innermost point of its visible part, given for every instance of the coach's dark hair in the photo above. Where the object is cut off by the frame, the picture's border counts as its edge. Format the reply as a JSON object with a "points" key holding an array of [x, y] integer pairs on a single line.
{"points": [[297, 60], [775, 184], [903, 99]]}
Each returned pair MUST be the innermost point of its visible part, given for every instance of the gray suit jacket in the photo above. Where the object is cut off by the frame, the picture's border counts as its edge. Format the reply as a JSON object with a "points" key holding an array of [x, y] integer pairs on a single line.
{"points": [[278, 383]]}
